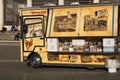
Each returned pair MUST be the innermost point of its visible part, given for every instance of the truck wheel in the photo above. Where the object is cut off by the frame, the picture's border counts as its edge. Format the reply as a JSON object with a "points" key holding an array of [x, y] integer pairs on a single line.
{"points": [[35, 61]]}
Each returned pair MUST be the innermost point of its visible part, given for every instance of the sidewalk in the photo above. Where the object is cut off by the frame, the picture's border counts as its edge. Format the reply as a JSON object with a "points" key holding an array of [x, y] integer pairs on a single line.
{"points": [[10, 42], [8, 35]]}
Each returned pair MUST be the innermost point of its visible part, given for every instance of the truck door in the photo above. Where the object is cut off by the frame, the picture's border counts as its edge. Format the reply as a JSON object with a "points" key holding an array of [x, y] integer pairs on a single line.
{"points": [[33, 32]]}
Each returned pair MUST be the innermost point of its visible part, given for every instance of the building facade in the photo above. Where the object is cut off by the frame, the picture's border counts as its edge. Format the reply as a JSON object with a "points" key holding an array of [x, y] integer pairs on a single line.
{"points": [[9, 14]]}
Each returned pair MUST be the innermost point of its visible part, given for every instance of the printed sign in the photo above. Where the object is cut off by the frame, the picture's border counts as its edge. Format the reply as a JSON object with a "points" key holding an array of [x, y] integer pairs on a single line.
{"points": [[108, 42], [79, 42], [52, 44]]}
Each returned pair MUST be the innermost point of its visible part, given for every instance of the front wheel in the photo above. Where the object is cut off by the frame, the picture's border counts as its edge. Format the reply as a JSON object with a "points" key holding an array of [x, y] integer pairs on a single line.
{"points": [[35, 61]]}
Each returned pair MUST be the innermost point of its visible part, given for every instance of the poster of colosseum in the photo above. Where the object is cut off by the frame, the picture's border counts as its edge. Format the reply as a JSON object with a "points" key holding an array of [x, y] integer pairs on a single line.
{"points": [[96, 21]]}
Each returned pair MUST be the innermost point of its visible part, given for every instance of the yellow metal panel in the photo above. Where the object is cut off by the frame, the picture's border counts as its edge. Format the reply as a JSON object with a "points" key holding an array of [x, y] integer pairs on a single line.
{"points": [[33, 11], [116, 21]]}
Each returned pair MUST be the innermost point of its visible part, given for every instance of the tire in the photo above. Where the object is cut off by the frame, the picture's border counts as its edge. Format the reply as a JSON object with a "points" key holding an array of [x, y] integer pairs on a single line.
{"points": [[35, 61]]}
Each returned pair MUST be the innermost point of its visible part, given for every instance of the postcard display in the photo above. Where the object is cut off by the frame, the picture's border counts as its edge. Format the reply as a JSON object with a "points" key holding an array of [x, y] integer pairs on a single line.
{"points": [[81, 51], [92, 43]]}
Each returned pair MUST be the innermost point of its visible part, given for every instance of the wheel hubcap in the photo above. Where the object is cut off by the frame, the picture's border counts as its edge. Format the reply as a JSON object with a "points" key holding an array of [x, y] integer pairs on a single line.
{"points": [[36, 60]]}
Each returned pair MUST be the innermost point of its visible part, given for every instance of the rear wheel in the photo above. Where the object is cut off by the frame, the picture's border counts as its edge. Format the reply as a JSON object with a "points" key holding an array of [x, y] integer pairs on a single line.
{"points": [[35, 61]]}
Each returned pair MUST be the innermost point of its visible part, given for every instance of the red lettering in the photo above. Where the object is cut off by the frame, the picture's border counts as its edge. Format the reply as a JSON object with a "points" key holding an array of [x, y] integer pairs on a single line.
{"points": [[40, 12]]}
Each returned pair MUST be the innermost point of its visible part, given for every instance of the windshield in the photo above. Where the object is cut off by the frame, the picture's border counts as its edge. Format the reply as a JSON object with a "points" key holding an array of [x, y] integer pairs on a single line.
{"points": [[35, 27]]}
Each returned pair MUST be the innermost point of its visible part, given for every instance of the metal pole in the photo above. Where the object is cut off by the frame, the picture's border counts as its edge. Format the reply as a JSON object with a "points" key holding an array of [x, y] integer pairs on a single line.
{"points": [[29, 3], [1, 14], [60, 2], [95, 1]]}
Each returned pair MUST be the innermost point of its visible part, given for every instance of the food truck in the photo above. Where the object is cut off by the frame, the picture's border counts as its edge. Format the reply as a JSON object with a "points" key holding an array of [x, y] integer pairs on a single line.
{"points": [[84, 35]]}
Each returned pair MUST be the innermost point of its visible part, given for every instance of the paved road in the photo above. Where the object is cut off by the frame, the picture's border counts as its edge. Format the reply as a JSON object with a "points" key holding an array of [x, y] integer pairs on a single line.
{"points": [[20, 71], [9, 52], [12, 69]]}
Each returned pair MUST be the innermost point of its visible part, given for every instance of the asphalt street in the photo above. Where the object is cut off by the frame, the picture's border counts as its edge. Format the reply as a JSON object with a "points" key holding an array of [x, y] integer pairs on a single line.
{"points": [[9, 52], [20, 71], [13, 69]]}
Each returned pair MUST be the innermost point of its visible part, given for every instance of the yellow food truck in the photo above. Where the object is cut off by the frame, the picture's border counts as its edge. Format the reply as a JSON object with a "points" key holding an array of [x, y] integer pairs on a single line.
{"points": [[84, 35]]}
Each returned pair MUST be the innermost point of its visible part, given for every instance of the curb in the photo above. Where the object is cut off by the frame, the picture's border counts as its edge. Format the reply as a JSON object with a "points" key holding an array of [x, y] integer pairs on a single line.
{"points": [[10, 61], [11, 43]]}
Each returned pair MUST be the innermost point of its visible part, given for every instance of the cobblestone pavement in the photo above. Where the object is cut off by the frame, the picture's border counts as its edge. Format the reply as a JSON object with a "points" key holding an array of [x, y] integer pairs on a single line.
{"points": [[16, 70]]}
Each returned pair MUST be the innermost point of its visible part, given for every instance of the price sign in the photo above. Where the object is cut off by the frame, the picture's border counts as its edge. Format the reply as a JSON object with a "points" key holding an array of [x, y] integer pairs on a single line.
{"points": [[79, 42], [108, 42]]}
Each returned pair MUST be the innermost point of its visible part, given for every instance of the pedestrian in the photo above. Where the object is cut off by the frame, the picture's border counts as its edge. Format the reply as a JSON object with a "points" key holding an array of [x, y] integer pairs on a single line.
{"points": [[4, 29], [13, 28], [17, 36]]}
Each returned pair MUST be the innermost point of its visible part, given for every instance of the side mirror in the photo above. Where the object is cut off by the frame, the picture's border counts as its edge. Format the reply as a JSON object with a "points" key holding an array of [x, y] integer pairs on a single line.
{"points": [[25, 28]]}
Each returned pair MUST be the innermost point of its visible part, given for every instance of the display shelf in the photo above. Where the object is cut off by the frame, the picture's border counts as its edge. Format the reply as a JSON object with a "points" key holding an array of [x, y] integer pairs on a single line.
{"points": [[86, 53], [85, 50], [91, 63], [80, 63], [85, 45]]}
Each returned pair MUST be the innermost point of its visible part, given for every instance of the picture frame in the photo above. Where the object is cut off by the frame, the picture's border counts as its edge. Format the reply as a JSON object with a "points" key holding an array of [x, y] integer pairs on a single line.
{"points": [[65, 21]]}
